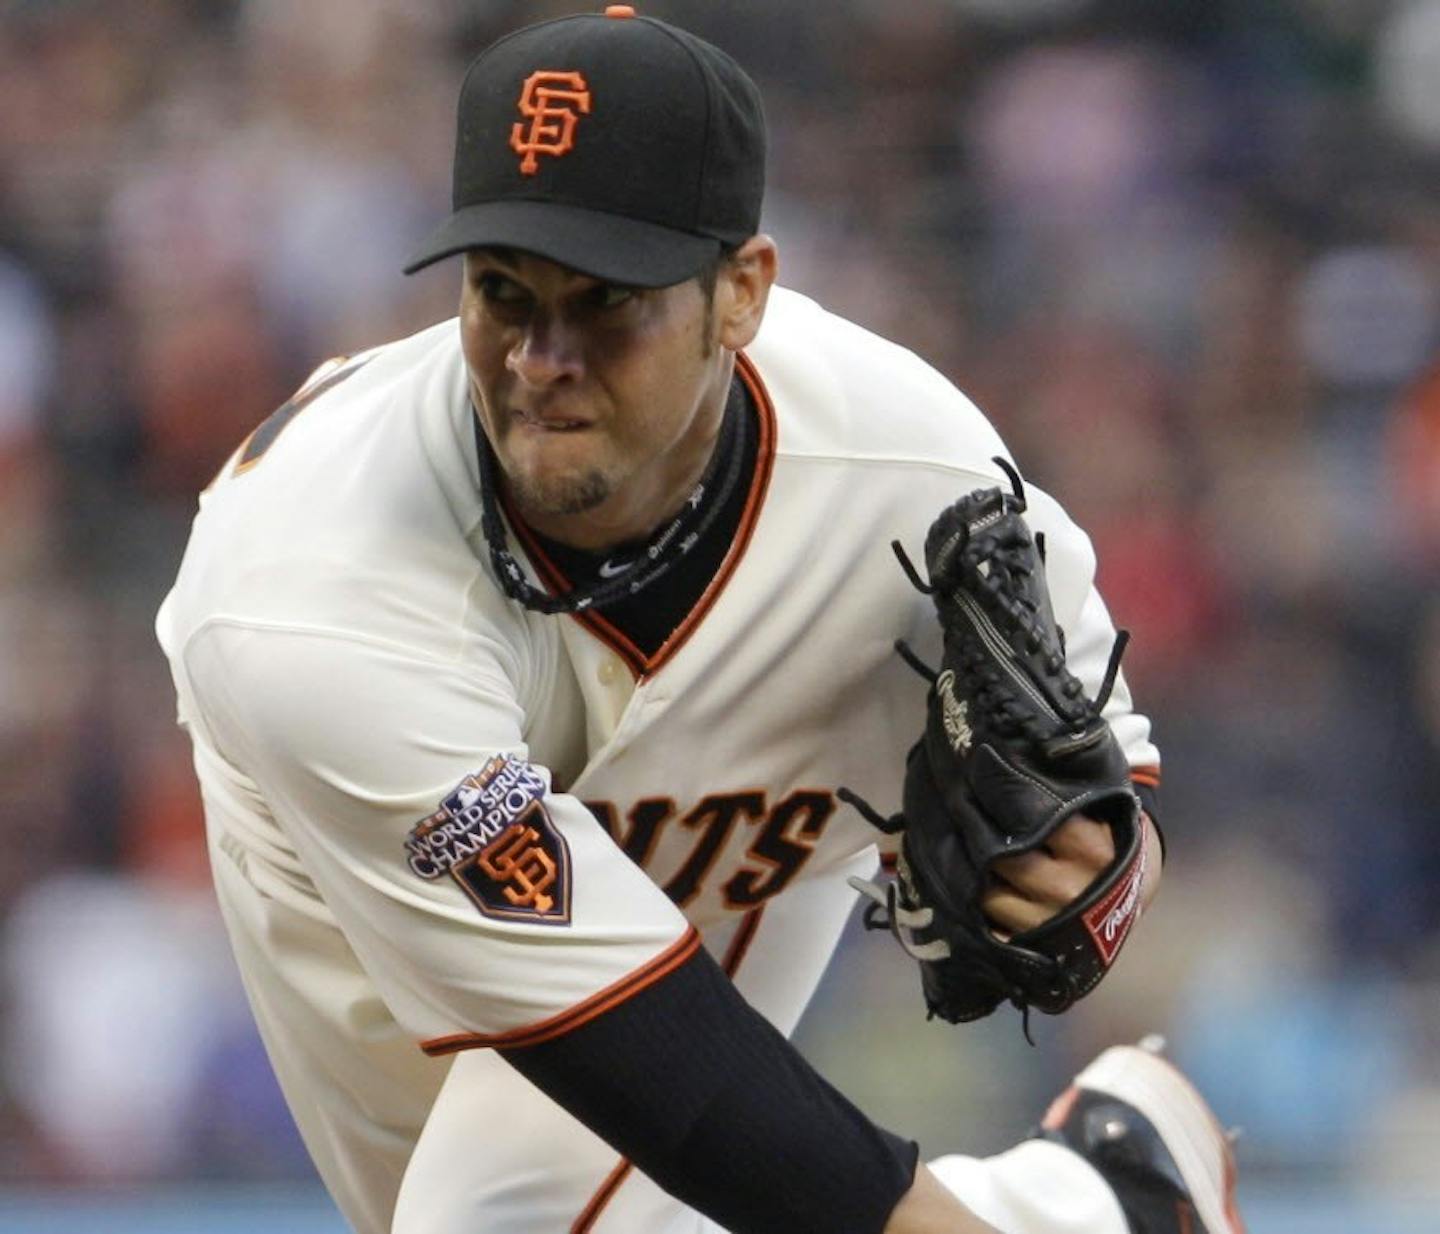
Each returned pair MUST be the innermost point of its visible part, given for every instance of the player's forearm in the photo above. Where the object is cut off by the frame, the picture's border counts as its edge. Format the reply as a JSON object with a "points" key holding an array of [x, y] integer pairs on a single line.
{"points": [[928, 1208], [708, 1099]]}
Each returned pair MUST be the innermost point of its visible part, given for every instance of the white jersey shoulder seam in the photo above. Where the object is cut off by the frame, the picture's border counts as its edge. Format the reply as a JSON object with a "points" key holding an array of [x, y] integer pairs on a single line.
{"points": [[894, 461], [259, 626]]}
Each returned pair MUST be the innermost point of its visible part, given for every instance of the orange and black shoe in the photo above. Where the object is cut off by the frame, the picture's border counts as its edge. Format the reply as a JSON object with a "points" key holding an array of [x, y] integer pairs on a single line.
{"points": [[1142, 1124]]}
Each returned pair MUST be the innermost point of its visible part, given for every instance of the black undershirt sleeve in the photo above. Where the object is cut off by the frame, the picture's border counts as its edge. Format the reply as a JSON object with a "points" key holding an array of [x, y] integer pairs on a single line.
{"points": [[703, 1094]]}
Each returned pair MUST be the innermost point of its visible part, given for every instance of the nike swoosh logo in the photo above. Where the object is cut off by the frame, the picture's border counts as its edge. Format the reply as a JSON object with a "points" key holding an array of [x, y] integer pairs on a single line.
{"points": [[609, 569]]}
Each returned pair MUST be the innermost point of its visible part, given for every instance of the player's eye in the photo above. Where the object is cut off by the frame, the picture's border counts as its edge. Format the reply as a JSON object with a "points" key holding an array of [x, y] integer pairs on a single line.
{"points": [[611, 295], [495, 288]]}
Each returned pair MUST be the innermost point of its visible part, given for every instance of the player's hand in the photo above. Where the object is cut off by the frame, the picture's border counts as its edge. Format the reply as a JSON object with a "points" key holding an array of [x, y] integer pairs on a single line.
{"points": [[1030, 889]]}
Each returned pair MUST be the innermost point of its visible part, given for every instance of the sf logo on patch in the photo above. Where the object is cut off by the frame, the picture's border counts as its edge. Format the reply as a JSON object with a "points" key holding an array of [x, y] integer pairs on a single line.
{"points": [[494, 837]]}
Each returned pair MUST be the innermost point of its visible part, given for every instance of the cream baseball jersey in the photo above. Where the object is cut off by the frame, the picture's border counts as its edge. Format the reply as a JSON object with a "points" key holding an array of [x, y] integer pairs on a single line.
{"points": [[491, 824]]}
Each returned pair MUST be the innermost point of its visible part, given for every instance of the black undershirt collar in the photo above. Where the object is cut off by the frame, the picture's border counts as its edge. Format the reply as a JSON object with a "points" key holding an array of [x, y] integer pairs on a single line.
{"points": [[649, 616]]}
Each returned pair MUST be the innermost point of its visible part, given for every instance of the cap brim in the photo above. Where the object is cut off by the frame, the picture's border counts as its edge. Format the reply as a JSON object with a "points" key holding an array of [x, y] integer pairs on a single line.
{"points": [[604, 246]]}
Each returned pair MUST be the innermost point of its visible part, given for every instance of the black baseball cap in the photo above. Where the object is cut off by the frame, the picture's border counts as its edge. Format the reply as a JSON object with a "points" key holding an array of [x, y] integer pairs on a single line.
{"points": [[614, 144]]}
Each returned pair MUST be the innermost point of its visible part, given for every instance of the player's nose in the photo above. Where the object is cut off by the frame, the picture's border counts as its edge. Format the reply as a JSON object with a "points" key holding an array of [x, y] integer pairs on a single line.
{"points": [[545, 352]]}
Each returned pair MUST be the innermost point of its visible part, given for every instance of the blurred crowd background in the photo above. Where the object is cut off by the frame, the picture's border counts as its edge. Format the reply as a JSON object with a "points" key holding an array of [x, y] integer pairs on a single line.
{"points": [[1186, 253]]}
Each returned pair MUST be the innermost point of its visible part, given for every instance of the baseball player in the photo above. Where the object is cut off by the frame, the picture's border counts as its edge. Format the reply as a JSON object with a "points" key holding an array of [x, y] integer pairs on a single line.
{"points": [[523, 660]]}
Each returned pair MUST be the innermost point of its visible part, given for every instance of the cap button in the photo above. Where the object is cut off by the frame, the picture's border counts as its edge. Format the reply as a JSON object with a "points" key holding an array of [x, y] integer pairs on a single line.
{"points": [[619, 10]]}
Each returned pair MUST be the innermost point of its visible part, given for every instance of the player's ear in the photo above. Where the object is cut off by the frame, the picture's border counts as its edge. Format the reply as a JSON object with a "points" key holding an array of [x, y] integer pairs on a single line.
{"points": [[742, 290]]}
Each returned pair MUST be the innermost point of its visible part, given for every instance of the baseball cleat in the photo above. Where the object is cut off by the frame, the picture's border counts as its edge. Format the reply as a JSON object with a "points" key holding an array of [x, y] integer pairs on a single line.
{"points": [[1136, 1118]]}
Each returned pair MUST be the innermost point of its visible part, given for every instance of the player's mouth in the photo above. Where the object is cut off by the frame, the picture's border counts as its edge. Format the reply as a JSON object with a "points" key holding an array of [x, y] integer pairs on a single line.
{"points": [[538, 422]]}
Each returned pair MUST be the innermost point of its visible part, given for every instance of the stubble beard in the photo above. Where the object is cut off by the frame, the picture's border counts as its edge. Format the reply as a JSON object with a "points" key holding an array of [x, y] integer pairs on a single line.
{"points": [[561, 495]]}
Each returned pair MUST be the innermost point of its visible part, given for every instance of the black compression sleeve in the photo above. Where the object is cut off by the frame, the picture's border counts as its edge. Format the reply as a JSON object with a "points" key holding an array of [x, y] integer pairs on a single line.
{"points": [[702, 1093]]}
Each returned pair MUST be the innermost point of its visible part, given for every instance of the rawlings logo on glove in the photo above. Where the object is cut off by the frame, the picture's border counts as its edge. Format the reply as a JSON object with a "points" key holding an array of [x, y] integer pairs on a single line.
{"points": [[952, 712], [1012, 747]]}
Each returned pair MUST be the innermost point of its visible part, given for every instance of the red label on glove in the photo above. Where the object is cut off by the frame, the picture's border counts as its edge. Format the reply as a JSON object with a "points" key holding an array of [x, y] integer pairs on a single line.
{"points": [[1108, 922]]}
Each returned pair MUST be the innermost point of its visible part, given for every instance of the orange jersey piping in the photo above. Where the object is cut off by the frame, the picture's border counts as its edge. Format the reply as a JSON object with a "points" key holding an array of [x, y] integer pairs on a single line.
{"points": [[606, 1192], [611, 996], [1149, 776]]}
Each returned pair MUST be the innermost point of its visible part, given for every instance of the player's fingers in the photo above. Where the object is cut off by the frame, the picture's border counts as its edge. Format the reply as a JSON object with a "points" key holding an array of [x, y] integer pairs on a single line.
{"points": [[1048, 881], [1011, 913], [1084, 840]]}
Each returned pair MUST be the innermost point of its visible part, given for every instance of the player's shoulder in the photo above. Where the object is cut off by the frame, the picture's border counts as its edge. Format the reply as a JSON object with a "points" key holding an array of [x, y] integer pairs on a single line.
{"points": [[360, 433], [390, 391], [350, 507], [842, 390], [419, 370]]}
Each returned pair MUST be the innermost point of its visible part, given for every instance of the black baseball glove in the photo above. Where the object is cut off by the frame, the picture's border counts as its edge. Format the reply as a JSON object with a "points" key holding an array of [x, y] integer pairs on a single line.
{"points": [[1012, 747]]}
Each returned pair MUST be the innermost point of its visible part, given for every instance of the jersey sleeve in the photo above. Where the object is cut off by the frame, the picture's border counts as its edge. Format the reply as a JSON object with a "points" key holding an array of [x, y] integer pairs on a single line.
{"points": [[488, 908]]}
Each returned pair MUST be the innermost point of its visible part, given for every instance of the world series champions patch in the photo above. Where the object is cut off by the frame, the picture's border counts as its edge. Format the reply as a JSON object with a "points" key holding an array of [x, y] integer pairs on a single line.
{"points": [[494, 837]]}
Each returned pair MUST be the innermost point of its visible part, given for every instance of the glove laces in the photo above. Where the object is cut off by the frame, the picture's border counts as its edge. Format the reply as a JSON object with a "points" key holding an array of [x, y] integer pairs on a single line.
{"points": [[885, 912]]}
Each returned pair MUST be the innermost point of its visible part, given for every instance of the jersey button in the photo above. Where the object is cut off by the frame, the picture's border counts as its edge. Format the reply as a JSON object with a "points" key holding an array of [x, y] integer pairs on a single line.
{"points": [[608, 672]]}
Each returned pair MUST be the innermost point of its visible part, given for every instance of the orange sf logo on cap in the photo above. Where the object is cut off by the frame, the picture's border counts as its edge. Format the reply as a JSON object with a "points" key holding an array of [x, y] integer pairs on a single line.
{"points": [[554, 101]]}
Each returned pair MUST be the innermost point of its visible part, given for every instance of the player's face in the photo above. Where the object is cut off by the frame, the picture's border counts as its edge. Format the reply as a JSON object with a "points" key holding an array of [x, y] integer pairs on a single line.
{"points": [[600, 401]]}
